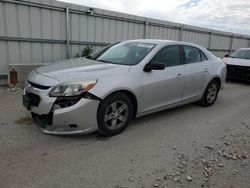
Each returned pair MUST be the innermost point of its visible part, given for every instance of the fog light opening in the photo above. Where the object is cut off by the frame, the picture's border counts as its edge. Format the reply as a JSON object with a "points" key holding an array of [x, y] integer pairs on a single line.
{"points": [[63, 102], [72, 125]]}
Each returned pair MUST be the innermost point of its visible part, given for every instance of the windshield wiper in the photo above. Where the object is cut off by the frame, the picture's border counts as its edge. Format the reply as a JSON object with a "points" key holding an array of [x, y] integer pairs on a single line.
{"points": [[103, 61]]}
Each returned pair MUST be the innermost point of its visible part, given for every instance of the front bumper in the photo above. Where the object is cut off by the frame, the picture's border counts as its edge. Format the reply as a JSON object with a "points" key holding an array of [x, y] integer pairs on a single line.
{"points": [[80, 118], [236, 72]]}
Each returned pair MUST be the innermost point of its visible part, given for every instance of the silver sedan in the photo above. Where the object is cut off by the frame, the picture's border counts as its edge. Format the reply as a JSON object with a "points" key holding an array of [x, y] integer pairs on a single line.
{"points": [[123, 81]]}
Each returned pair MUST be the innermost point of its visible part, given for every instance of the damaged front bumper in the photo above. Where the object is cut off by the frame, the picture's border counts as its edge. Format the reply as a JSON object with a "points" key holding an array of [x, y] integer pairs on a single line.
{"points": [[61, 116]]}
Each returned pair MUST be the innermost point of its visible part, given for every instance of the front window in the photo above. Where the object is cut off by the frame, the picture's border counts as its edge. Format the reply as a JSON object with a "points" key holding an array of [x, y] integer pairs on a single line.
{"points": [[169, 56], [242, 54], [124, 53]]}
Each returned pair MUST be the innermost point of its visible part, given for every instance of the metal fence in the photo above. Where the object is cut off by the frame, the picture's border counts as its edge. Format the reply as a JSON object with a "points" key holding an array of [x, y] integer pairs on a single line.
{"points": [[42, 31]]}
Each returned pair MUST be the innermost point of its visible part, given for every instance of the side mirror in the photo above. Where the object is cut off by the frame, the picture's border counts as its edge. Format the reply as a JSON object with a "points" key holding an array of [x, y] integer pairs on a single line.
{"points": [[227, 55], [153, 66]]}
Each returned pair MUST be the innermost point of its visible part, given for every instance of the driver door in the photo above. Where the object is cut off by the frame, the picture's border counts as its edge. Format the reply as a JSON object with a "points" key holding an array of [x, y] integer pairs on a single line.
{"points": [[164, 87]]}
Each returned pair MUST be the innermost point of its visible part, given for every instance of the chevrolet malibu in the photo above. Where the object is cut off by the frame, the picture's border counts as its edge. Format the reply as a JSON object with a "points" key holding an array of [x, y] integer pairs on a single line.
{"points": [[125, 80]]}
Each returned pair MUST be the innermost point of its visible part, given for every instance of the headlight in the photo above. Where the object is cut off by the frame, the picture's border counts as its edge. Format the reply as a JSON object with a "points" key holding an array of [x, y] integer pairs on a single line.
{"points": [[72, 89]]}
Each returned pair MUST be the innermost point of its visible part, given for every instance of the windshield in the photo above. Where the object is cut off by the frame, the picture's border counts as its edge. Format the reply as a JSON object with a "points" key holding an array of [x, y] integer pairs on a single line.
{"points": [[242, 54], [123, 53]]}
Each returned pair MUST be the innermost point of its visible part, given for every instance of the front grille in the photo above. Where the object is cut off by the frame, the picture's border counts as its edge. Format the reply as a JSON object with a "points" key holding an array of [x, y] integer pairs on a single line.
{"points": [[33, 98], [38, 86], [238, 72]]}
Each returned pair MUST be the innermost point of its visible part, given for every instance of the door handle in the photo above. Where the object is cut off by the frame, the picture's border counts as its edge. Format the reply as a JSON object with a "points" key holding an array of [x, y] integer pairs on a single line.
{"points": [[179, 75], [205, 70]]}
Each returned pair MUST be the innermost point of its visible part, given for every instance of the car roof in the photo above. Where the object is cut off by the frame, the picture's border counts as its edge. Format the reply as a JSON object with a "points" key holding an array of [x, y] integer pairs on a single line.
{"points": [[244, 49], [160, 41]]}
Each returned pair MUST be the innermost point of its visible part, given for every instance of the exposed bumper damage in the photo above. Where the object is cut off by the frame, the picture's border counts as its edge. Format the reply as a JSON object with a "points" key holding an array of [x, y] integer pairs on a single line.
{"points": [[62, 116]]}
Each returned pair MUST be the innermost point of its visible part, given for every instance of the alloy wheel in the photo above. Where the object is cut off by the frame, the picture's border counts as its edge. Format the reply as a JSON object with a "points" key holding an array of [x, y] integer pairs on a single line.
{"points": [[212, 92], [116, 115]]}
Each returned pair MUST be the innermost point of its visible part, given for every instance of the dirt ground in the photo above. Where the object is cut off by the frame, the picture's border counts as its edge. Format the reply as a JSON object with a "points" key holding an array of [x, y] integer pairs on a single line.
{"points": [[188, 146]]}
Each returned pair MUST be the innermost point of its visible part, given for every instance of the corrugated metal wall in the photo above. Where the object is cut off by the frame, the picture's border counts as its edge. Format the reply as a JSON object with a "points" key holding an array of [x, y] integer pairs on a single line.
{"points": [[35, 32]]}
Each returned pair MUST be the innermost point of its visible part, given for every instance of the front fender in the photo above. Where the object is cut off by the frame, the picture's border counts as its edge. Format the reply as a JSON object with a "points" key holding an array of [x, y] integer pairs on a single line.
{"points": [[131, 82]]}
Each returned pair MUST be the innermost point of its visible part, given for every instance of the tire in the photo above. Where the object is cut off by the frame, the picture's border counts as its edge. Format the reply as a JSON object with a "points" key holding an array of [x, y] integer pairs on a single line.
{"points": [[210, 95], [114, 114]]}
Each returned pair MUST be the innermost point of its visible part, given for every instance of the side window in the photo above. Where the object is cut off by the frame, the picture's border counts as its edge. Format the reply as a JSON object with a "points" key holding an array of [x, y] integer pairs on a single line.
{"points": [[191, 55], [203, 56], [169, 56]]}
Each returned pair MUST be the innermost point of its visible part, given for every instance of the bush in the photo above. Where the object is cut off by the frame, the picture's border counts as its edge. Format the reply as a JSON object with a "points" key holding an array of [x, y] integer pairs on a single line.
{"points": [[86, 52]]}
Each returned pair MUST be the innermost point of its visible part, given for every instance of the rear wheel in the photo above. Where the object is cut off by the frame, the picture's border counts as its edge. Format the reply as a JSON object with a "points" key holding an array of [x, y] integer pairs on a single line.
{"points": [[210, 94], [114, 114]]}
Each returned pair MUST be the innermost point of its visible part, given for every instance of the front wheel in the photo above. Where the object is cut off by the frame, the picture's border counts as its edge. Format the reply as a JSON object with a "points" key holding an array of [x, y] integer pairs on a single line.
{"points": [[210, 94], [114, 114]]}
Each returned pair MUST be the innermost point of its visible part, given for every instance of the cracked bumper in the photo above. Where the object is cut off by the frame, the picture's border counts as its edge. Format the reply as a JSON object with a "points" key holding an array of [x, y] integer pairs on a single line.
{"points": [[79, 118]]}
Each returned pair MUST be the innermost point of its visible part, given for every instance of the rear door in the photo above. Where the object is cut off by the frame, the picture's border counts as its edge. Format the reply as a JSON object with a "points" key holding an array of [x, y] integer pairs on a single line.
{"points": [[196, 66], [164, 87]]}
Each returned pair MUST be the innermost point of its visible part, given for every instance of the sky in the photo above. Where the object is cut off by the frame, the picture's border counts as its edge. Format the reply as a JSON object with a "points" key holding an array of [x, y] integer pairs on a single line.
{"points": [[226, 15]]}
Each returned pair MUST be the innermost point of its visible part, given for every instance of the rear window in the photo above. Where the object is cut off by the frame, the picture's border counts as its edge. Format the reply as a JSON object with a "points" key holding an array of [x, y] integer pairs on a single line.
{"points": [[191, 55], [203, 56]]}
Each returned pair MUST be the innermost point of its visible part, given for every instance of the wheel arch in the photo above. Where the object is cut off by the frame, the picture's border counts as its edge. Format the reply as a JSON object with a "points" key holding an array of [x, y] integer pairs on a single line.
{"points": [[218, 80], [131, 96]]}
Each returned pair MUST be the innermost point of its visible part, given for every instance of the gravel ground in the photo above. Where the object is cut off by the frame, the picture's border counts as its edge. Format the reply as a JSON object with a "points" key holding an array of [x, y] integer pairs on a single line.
{"points": [[189, 146]]}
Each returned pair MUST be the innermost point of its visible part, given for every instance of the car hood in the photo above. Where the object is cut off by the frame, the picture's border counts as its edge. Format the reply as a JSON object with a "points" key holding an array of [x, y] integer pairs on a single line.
{"points": [[237, 61], [79, 69]]}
